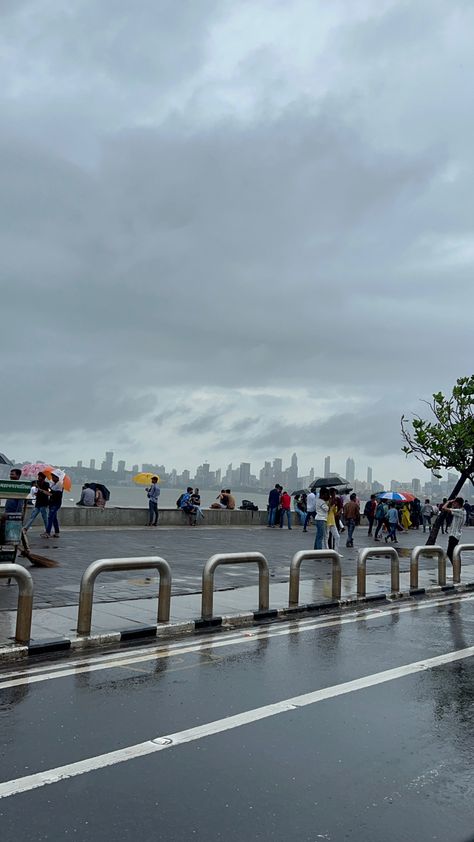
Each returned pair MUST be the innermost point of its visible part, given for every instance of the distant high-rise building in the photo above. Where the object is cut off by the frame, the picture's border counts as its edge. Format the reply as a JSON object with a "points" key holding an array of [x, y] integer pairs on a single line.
{"points": [[350, 470], [311, 475], [277, 470], [369, 476], [121, 466], [134, 469], [92, 465], [416, 486], [292, 473], [244, 473], [327, 466], [79, 463], [109, 460]]}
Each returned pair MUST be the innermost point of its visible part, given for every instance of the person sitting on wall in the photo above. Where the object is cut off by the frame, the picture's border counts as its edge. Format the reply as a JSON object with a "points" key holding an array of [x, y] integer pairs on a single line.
{"points": [[221, 501], [230, 499]]}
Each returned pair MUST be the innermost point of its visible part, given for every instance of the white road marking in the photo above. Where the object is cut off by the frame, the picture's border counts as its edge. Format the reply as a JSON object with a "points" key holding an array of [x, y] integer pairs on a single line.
{"points": [[219, 726], [247, 636]]}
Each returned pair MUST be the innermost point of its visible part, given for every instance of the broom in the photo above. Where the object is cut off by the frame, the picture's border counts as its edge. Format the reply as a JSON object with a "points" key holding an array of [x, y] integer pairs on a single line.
{"points": [[36, 560]]}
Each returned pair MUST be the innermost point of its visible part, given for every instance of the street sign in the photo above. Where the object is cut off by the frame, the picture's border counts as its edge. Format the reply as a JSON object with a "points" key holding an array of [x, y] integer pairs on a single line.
{"points": [[14, 489]]}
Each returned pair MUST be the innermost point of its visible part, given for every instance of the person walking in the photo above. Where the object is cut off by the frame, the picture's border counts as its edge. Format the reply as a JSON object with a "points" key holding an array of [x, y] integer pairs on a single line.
{"points": [[310, 509], [320, 519], [153, 493], [455, 508], [55, 503], [427, 512], [273, 504], [332, 530], [369, 512], [285, 502], [392, 518], [380, 517], [351, 516], [406, 519], [41, 502]]}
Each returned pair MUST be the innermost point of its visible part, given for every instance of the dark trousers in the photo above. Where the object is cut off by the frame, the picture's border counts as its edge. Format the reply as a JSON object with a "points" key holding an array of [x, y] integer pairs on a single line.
{"points": [[309, 515], [153, 512], [371, 519], [452, 541], [53, 520]]}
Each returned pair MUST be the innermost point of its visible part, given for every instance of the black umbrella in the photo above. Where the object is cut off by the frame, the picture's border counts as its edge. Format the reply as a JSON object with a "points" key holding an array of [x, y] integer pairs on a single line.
{"points": [[301, 491], [102, 488], [328, 482]]}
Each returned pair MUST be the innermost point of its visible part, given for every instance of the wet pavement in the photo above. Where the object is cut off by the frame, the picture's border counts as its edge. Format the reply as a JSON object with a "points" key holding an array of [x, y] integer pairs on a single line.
{"points": [[324, 744]]}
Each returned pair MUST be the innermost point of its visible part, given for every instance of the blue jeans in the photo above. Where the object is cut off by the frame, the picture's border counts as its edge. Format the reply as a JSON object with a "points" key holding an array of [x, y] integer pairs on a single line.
{"points": [[307, 519], [153, 512], [302, 516], [320, 539], [350, 530], [53, 520], [271, 517], [286, 512], [392, 533], [43, 511]]}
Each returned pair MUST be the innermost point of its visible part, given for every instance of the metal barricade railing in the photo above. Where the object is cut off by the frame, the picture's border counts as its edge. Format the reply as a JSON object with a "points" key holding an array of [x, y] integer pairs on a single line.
{"points": [[458, 550], [315, 555], [427, 552], [86, 595], [24, 611], [207, 603], [377, 552]]}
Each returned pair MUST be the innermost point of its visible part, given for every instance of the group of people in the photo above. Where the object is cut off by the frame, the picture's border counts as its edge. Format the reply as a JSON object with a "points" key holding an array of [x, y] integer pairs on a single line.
{"points": [[190, 503], [91, 495], [279, 507], [224, 500], [46, 498]]}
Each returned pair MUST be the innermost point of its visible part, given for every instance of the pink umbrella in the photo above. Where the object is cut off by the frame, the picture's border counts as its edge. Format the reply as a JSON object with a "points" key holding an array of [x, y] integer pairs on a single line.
{"points": [[32, 469]]}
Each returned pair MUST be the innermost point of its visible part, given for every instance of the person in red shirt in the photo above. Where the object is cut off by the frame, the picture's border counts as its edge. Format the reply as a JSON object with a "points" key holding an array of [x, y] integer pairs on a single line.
{"points": [[285, 503]]}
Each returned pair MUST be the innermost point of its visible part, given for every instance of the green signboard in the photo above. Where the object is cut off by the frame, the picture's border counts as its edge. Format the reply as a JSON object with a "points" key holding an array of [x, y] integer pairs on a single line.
{"points": [[11, 488]]}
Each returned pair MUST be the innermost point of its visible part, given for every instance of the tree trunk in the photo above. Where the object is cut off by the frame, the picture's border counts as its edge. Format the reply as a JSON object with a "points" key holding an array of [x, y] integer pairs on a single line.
{"points": [[437, 524]]}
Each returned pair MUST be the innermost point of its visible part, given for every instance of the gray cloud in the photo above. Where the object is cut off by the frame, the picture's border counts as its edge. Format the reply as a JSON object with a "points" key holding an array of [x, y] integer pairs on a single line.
{"points": [[156, 243]]}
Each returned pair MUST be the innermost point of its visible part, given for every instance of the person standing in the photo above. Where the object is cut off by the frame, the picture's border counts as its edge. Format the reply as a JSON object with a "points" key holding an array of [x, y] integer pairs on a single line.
{"points": [[369, 512], [310, 509], [153, 493], [55, 503], [351, 516], [273, 504], [332, 530], [320, 519], [41, 502], [14, 506], [406, 519], [427, 513], [380, 517], [455, 508], [285, 502]]}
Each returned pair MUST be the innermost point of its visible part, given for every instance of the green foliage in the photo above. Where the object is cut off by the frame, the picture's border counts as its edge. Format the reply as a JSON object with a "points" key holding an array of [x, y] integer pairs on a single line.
{"points": [[448, 441]]}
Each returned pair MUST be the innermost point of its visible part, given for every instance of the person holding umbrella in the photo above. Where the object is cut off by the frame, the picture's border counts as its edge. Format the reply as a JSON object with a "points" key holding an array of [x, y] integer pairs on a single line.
{"points": [[55, 503]]}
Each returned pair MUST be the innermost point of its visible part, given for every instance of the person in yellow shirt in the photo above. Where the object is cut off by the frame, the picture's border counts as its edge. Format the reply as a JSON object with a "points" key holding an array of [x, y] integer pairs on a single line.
{"points": [[333, 534]]}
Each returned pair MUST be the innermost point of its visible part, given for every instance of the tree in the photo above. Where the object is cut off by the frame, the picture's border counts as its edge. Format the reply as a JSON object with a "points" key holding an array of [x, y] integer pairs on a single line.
{"points": [[448, 441]]}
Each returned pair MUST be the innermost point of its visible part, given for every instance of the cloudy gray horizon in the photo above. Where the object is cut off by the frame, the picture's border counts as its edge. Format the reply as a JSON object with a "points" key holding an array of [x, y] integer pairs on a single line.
{"points": [[233, 230]]}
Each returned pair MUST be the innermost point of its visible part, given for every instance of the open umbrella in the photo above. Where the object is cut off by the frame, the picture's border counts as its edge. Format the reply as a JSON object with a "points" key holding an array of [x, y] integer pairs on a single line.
{"points": [[301, 491], [144, 478], [397, 496], [102, 488], [32, 469], [328, 482]]}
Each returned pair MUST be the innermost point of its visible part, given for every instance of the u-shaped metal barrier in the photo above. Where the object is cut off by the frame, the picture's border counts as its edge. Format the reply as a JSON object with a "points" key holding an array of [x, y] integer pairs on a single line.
{"points": [[207, 602], [458, 550], [86, 596], [427, 551], [377, 552], [24, 611], [316, 555]]}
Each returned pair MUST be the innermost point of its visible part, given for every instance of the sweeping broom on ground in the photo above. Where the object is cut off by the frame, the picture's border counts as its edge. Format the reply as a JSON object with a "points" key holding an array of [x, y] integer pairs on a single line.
{"points": [[36, 560]]}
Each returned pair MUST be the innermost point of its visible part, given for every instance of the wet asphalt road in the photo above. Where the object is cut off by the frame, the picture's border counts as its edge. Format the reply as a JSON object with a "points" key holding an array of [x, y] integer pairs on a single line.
{"points": [[392, 761]]}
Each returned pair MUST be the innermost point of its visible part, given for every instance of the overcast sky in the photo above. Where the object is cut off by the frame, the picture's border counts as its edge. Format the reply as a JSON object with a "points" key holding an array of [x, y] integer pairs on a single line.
{"points": [[233, 229]]}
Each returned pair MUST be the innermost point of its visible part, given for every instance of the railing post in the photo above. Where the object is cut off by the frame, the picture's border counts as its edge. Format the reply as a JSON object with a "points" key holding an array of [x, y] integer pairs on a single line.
{"points": [[24, 611], [86, 595], [428, 552], [316, 555], [207, 600], [377, 552], [458, 550]]}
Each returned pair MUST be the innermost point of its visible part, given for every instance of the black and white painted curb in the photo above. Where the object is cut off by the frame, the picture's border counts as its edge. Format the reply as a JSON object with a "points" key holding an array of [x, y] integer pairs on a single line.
{"points": [[15, 651]]}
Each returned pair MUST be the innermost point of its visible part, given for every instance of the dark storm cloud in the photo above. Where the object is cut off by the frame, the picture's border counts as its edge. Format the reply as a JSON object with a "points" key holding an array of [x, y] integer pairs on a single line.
{"points": [[147, 252]]}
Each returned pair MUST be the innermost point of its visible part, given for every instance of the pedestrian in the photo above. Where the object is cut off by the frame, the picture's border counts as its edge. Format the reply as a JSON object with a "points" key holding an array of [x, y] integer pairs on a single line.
{"points": [[351, 516], [369, 512], [467, 509], [416, 513], [310, 509], [55, 503], [406, 519], [380, 518], [392, 518], [456, 509], [427, 512], [285, 502], [300, 509], [41, 502], [320, 519], [273, 504], [14, 506], [332, 530], [153, 493], [196, 501]]}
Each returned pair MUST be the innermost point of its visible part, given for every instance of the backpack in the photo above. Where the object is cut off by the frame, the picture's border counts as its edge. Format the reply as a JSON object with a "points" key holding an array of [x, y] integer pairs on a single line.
{"points": [[368, 508], [178, 501], [247, 505], [380, 511]]}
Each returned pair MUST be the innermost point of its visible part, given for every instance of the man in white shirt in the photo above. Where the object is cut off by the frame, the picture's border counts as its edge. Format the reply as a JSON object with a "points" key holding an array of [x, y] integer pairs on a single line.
{"points": [[310, 509], [456, 509]]}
